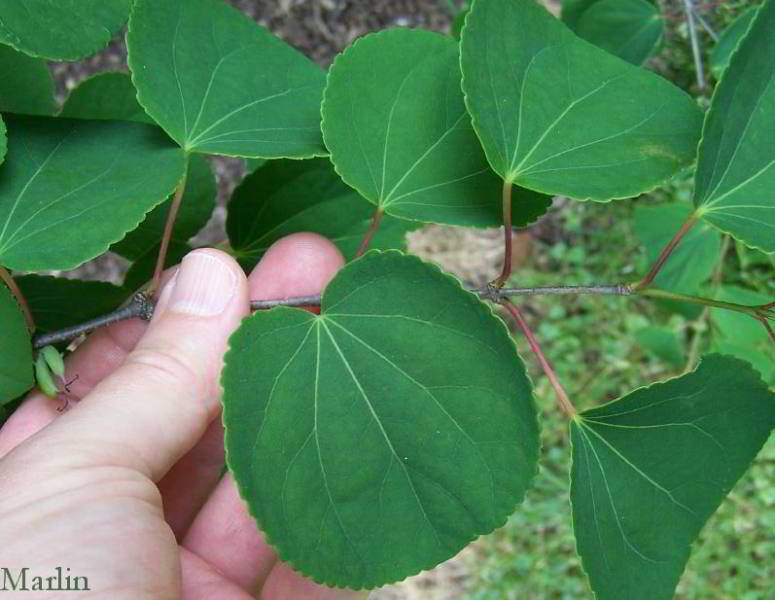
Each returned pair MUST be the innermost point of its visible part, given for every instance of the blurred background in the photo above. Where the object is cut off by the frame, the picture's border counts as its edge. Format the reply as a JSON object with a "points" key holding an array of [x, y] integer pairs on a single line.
{"points": [[601, 347]]}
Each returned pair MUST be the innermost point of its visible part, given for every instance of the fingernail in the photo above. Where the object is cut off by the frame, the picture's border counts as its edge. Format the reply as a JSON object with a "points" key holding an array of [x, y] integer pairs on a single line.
{"points": [[203, 287]]}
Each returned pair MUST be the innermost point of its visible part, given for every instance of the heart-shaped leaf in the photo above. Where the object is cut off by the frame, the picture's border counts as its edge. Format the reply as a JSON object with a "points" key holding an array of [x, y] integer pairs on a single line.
{"points": [[629, 29], [61, 29], [289, 196], [79, 186], [728, 41], [573, 9], [220, 84], [26, 86], [15, 348], [56, 302], [396, 125], [143, 266], [3, 140], [736, 166], [110, 96], [650, 468], [561, 116], [381, 437]]}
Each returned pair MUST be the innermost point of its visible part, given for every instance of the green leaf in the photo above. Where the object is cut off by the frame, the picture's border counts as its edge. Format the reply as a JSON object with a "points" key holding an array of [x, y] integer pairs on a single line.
{"points": [[252, 164], [728, 41], [561, 116], [736, 166], [663, 344], [629, 29], [143, 267], [3, 140], [61, 29], [572, 10], [740, 335], [196, 208], [26, 86], [397, 128], [110, 96], [368, 442], [15, 348], [650, 468], [692, 261], [79, 186], [289, 196], [220, 84], [57, 303]]}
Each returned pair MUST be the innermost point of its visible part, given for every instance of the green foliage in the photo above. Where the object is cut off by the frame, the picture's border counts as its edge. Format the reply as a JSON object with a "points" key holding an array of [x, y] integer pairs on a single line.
{"points": [[541, 99], [432, 172], [57, 303], [629, 29], [376, 459], [27, 84], [105, 96], [728, 41], [649, 470], [287, 196], [381, 437], [78, 187], [15, 348], [61, 29], [736, 162], [220, 84]]}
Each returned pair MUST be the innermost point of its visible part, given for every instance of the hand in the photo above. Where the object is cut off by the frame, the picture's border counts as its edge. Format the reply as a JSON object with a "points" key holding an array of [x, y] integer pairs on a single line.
{"points": [[125, 488]]}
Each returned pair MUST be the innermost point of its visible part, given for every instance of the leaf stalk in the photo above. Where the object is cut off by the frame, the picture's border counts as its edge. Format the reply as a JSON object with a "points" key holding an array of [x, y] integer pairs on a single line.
{"points": [[17, 293]]}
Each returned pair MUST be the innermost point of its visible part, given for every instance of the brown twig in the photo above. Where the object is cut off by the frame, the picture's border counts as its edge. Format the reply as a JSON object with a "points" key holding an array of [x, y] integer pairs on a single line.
{"points": [[17, 293], [562, 397], [666, 252], [375, 221], [172, 215], [507, 236]]}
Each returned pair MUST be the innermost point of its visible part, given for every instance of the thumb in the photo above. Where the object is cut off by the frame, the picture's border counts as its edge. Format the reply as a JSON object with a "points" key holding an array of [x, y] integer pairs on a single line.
{"points": [[156, 406]]}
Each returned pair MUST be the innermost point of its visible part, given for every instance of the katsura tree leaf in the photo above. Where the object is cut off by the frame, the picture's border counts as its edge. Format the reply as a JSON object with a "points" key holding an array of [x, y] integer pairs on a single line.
{"points": [[692, 261], [728, 41], [289, 196], [432, 170], [252, 164], [61, 29], [196, 208], [650, 468], [367, 441], [663, 343], [143, 266], [110, 96], [15, 349], [220, 84], [629, 29], [77, 186], [57, 302], [736, 166], [26, 85], [561, 116], [740, 335]]}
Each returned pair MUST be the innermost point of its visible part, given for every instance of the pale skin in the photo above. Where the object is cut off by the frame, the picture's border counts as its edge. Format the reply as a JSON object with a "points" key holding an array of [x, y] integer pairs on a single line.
{"points": [[125, 487]]}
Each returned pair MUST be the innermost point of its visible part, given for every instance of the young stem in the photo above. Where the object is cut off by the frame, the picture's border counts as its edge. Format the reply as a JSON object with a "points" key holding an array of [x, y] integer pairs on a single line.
{"points": [[375, 221], [172, 215], [17, 293], [562, 397], [507, 236], [762, 313], [666, 252]]}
